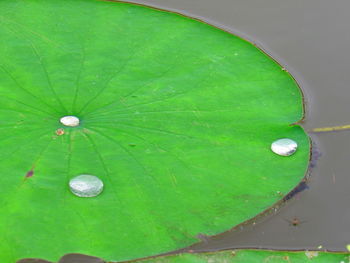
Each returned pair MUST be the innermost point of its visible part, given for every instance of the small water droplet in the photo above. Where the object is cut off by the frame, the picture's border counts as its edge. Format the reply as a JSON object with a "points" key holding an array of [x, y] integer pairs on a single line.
{"points": [[71, 121], [311, 254], [86, 185], [348, 247], [284, 147]]}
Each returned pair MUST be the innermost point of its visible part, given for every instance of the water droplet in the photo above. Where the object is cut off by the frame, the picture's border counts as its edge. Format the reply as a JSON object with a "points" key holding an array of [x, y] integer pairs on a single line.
{"points": [[71, 121], [348, 247], [311, 254], [86, 185], [284, 147]]}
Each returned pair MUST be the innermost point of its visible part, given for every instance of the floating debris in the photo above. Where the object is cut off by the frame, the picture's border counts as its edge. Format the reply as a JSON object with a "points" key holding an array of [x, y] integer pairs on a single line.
{"points": [[59, 132]]}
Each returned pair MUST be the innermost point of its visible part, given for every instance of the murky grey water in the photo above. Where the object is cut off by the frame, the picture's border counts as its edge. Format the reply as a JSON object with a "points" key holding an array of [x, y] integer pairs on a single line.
{"points": [[311, 38]]}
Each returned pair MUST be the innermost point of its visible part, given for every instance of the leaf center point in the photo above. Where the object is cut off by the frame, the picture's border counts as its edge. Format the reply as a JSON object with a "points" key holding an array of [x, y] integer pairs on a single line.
{"points": [[71, 121]]}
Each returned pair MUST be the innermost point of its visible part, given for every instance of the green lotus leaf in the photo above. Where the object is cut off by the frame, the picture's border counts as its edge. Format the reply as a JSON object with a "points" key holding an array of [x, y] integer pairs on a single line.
{"points": [[176, 119], [254, 256]]}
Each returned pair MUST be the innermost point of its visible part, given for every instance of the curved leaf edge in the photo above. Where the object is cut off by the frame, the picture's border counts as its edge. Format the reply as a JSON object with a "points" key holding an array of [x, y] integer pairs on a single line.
{"points": [[225, 256], [303, 183], [237, 34], [186, 250], [272, 209]]}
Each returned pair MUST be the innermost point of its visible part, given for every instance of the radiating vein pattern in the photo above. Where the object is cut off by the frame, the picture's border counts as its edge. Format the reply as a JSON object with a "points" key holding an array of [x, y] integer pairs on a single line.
{"points": [[176, 118]]}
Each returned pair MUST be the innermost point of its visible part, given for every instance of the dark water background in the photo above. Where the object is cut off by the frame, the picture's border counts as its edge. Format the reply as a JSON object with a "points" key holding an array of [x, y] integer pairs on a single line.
{"points": [[311, 38]]}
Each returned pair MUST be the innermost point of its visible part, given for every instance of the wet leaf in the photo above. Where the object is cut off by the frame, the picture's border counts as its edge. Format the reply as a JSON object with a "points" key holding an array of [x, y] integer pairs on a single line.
{"points": [[176, 118]]}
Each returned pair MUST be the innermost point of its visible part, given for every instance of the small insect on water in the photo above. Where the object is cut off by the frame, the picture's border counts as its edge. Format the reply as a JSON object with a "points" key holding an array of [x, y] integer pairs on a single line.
{"points": [[294, 221]]}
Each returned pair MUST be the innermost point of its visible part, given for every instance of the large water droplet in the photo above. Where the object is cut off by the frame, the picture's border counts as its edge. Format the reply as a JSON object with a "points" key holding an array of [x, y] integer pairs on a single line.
{"points": [[71, 121], [284, 147], [86, 185]]}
